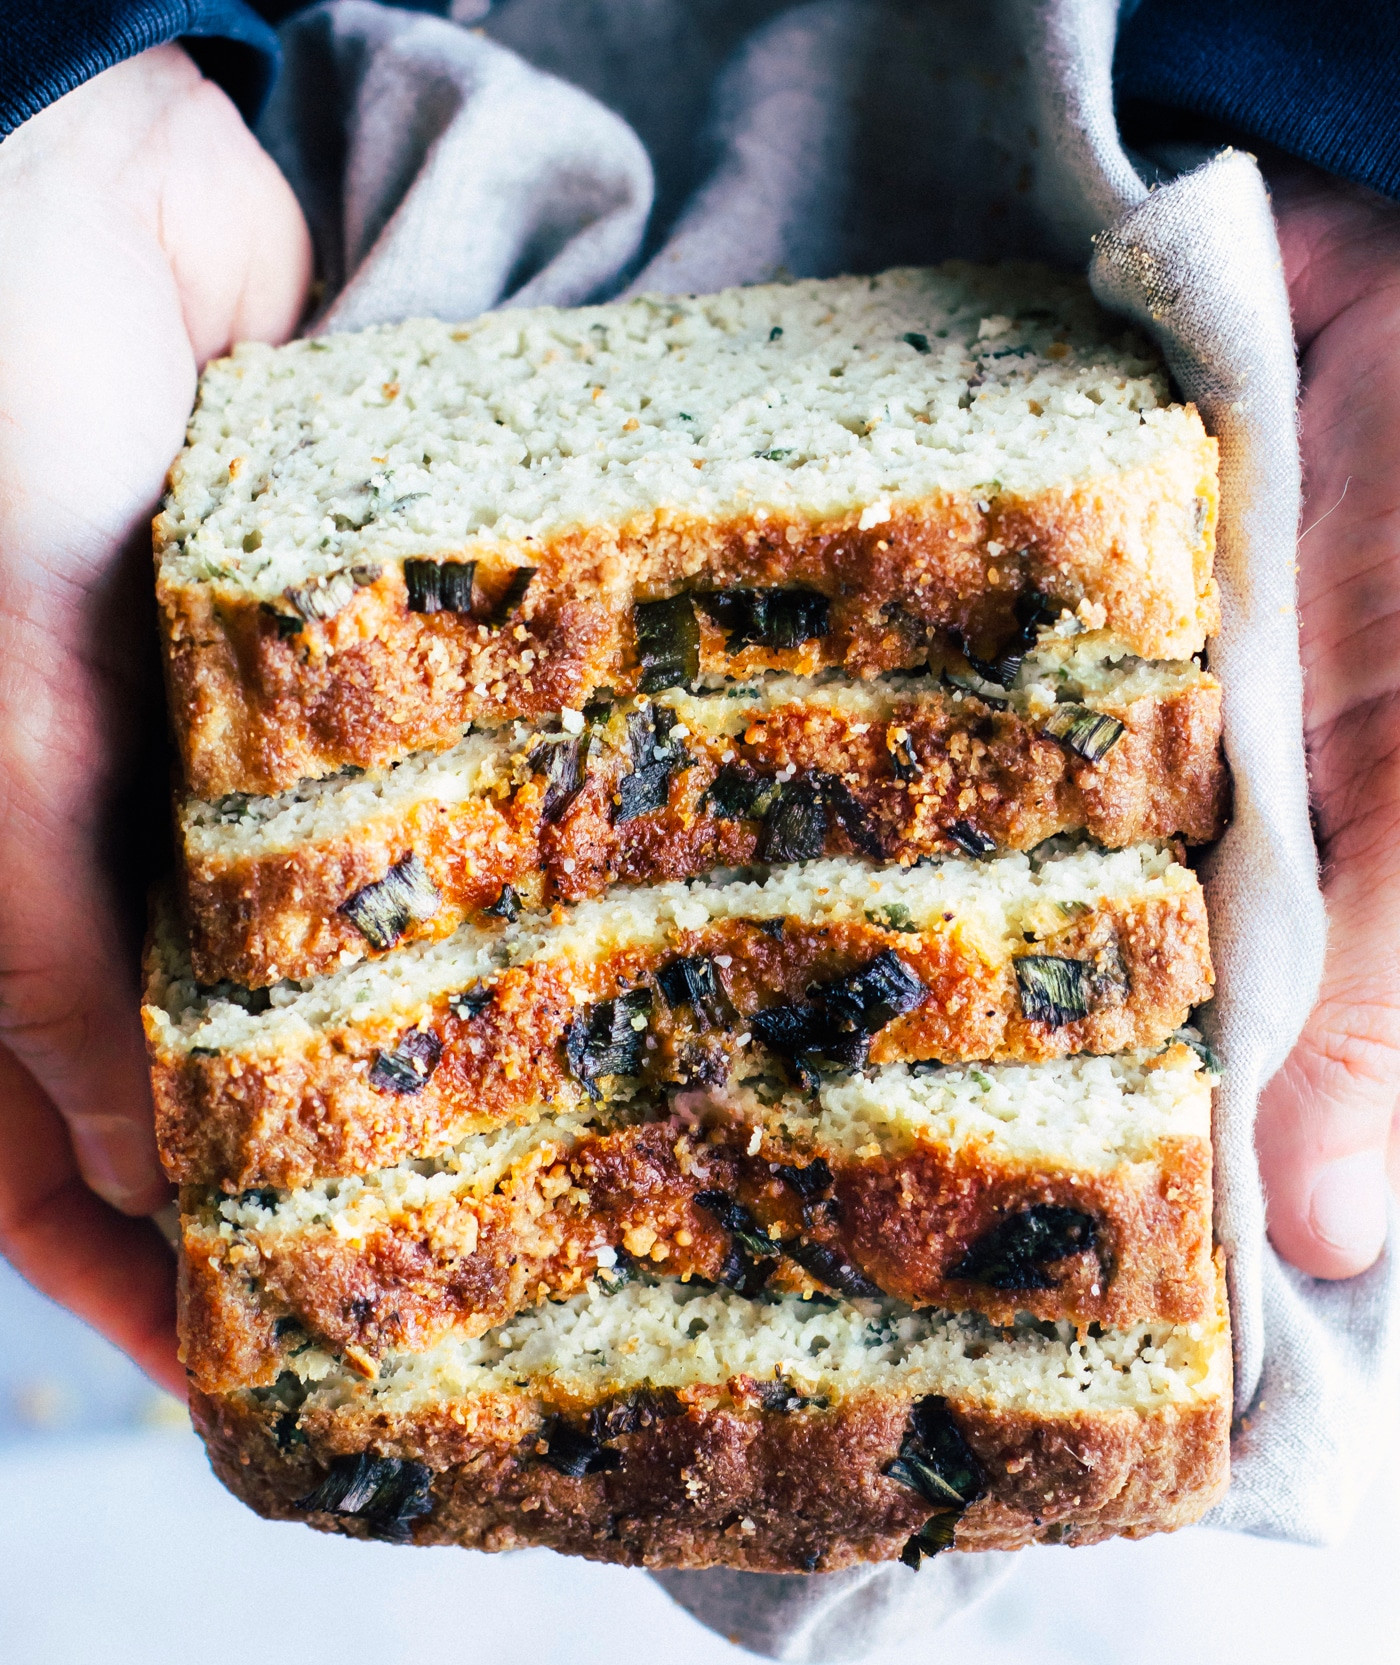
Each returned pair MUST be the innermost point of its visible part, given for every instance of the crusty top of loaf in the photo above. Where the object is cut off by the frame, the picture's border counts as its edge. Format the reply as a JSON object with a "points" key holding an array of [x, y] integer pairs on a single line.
{"points": [[813, 399]]}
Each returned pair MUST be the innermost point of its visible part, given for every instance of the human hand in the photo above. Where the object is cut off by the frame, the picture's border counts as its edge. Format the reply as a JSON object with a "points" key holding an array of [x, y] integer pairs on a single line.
{"points": [[144, 231], [1326, 1119]]}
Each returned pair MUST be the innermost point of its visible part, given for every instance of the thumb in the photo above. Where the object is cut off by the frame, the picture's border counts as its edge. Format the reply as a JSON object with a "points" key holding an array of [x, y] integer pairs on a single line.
{"points": [[1325, 1119]]}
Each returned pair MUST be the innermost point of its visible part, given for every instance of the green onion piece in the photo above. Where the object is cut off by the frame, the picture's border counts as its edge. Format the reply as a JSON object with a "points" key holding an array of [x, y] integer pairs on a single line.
{"points": [[387, 1492], [564, 765], [383, 911], [512, 595], [777, 619], [506, 906], [738, 793], [1053, 990], [409, 1067], [1015, 1252], [667, 637], [1090, 733], [574, 1451], [608, 1039], [971, 840], [439, 586]]}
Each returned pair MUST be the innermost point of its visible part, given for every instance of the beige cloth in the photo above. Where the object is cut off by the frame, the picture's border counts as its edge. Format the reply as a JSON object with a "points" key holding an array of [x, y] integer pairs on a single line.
{"points": [[569, 150]]}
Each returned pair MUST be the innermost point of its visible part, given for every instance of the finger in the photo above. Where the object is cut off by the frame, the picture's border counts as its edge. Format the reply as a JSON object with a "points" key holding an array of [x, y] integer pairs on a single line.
{"points": [[68, 987], [232, 230], [115, 1273], [1325, 1120]]}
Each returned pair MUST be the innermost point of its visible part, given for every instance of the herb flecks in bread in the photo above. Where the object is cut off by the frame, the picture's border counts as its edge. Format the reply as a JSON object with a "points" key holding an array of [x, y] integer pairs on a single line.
{"points": [[829, 496]]}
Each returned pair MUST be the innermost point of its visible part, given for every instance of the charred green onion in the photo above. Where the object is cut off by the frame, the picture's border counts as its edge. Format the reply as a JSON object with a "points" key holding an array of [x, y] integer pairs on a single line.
{"points": [[506, 906], [739, 1223], [471, 1003], [777, 619], [904, 760], [870, 999], [386, 1492], [1089, 733], [599, 707], [917, 340], [573, 1451], [608, 1039], [409, 1067], [512, 595], [936, 1462], [796, 826], [563, 763], [668, 642], [655, 758], [810, 1182], [1189, 1036], [1053, 990], [779, 1396], [971, 840], [829, 1266], [695, 982], [837, 1022], [933, 1537], [739, 793], [1032, 611], [633, 1413], [439, 586], [322, 598], [1014, 1254], [383, 911]]}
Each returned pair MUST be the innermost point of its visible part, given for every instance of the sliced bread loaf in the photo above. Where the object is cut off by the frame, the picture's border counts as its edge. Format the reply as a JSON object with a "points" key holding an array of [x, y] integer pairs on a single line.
{"points": [[666, 1424], [371, 541], [644, 791], [823, 965], [1075, 1189]]}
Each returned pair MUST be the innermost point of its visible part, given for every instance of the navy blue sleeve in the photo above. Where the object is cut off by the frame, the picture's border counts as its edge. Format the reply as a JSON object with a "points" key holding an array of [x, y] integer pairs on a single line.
{"points": [[1320, 82], [46, 50]]}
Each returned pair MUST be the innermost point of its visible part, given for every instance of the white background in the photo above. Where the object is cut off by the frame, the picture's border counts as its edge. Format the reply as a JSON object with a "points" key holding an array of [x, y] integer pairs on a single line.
{"points": [[117, 1546]]}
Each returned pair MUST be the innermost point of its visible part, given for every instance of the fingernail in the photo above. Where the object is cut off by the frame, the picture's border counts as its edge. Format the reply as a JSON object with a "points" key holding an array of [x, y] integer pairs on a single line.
{"points": [[1348, 1209]]}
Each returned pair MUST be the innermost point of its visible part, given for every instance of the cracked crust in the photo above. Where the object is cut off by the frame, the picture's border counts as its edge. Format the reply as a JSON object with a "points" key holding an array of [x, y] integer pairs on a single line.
{"points": [[260, 918], [255, 709], [466, 1262], [728, 1483], [305, 1107]]}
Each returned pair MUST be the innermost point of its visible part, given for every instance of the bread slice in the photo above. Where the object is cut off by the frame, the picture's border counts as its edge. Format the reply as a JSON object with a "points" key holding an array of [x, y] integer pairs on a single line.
{"points": [[824, 964], [644, 791], [371, 541], [1075, 1189], [670, 1425]]}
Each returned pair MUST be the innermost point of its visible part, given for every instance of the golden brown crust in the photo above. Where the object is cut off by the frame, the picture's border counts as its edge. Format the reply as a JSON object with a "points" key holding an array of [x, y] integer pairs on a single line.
{"points": [[992, 774], [724, 1482], [464, 1264], [306, 1107], [256, 709]]}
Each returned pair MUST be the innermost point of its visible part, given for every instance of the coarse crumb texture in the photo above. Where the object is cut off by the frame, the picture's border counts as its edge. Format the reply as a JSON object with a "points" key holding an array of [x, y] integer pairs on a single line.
{"points": [[807, 398], [821, 966], [373, 541], [483, 764], [780, 768], [899, 1180], [669, 1334], [668, 1425], [999, 900]]}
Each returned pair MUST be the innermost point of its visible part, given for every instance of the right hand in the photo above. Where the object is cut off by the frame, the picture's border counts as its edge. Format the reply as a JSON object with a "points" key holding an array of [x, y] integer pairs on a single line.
{"points": [[145, 231]]}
